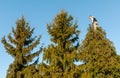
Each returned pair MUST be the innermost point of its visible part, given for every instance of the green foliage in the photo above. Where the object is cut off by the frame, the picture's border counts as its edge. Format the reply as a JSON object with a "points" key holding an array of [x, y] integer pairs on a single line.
{"points": [[97, 52], [20, 47], [61, 55], [98, 55]]}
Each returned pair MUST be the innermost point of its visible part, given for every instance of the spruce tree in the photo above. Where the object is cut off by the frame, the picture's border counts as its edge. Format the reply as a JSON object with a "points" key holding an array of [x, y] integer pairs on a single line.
{"points": [[20, 46], [98, 55], [61, 54]]}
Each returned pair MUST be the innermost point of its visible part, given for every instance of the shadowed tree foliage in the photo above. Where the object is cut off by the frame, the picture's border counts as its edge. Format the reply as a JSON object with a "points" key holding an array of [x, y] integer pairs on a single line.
{"points": [[98, 56], [20, 46], [60, 55]]}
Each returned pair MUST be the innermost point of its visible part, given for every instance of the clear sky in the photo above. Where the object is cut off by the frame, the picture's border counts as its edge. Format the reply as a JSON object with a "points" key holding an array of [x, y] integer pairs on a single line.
{"points": [[40, 12]]}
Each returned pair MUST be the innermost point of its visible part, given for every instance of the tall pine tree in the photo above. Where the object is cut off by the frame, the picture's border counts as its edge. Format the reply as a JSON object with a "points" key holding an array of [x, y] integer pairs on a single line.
{"points": [[61, 54], [98, 56], [20, 46]]}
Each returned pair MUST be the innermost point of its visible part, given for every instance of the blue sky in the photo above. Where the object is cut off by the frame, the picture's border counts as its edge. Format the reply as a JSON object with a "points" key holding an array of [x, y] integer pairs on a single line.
{"points": [[40, 12]]}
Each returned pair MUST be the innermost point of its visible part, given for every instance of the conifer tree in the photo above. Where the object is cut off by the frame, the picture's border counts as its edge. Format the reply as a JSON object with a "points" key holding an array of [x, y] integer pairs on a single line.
{"points": [[61, 54], [98, 56], [20, 46]]}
